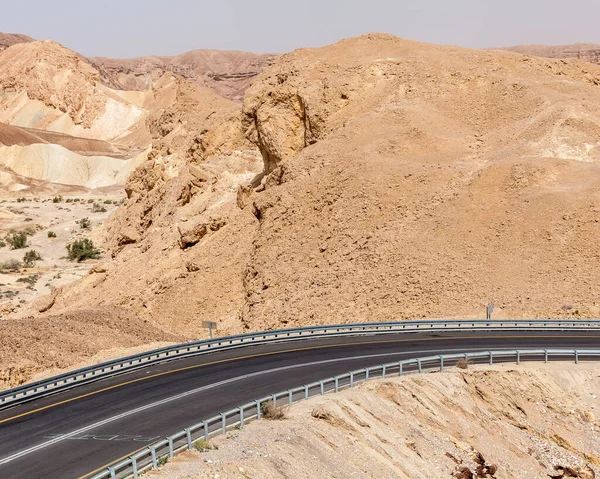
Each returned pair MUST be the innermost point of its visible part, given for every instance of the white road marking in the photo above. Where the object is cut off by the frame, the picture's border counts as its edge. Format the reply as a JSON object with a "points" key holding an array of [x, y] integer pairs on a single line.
{"points": [[62, 437]]}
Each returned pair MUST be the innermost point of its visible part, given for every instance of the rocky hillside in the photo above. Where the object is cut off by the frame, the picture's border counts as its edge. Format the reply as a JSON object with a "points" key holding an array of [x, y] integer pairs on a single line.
{"points": [[588, 52], [532, 422], [228, 73], [404, 180]]}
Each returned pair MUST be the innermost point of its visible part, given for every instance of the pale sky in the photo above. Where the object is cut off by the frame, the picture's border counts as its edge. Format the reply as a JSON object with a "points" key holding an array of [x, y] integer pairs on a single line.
{"points": [[129, 28]]}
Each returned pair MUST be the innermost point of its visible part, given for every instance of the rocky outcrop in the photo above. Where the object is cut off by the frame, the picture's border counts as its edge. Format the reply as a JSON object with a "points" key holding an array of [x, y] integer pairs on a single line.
{"points": [[227, 73]]}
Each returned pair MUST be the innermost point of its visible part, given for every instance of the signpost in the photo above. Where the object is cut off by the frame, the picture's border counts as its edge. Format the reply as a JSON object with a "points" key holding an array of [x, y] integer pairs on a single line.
{"points": [[489, 309], [210, 325]]}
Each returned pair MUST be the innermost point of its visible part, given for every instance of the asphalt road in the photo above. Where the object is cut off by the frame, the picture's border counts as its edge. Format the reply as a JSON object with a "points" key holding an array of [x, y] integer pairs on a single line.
{"points": [[114, 417]]}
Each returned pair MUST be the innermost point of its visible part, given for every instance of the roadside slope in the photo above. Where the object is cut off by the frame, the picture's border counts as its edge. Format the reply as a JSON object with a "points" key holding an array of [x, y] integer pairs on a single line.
{"points": [[525, 421]]}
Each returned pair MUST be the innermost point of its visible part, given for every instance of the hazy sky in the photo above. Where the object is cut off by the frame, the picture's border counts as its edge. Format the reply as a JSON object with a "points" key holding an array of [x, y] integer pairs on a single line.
{"points": [[127, 28]]}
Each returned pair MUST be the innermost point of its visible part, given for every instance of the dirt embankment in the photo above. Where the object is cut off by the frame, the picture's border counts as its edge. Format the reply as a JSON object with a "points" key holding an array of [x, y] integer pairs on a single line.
{"points": [[523, 421]]}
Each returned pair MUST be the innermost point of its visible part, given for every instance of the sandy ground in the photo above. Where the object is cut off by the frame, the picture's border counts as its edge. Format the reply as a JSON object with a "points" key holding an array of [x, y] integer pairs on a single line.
{"points": [[524, 419], [55, 269]]}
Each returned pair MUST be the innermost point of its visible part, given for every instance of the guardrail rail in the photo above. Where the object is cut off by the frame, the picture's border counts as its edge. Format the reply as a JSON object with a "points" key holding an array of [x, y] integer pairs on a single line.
{"points": [[160, 452], [45, 387]]}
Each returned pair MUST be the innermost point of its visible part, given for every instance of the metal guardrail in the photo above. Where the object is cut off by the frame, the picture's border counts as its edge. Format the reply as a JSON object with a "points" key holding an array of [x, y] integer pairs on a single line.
{"points": [[35, 390], [160, 452]]}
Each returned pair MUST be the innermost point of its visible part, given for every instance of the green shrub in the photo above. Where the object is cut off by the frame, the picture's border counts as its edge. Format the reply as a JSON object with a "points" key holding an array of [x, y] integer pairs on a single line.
{"points": [[21, 199], [107, 202], [10, 265], [51, 234], [202, 445], [57, 199], [98, 208], [30, 258], [29, 231], [84, 223], [30, 280], [82, 249], [17, 240]]}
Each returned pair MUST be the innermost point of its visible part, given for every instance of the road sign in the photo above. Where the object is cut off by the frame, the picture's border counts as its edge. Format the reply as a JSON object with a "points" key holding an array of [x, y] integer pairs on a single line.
{"points": [[489, 309], [210, 325]]}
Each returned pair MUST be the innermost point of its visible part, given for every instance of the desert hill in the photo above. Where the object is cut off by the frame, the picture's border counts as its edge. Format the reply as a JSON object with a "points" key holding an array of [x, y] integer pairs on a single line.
{"points": [[403, 180], [9, 39], [228, 73], [588, 52], [59, 123]]}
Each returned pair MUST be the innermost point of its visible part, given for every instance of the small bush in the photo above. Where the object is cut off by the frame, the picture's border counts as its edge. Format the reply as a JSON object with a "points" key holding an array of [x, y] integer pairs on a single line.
{"points": [[51, 234], [57, 199], [107, 202], [84, 223], [10, 265], [90, 201], [97, 208], [81, 250], [22, 199], [269, 410], [462, 363], [29, 231], [30, 258], [202, 445], [161, 461], [30, 280], [2, 243], [69, 200], [17, 240]]}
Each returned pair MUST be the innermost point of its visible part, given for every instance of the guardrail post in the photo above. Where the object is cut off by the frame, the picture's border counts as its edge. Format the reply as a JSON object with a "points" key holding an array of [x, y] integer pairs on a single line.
{"points": [[290, 397], [545, 355], [258, 409], [337, 384], [491, 358], [441, 364], [223, 423], [241, 416], [419, 364], [366, 374], [153, 453], [576, 357], [518, 357], [322, 387], [113, 474], [189, 438], [383, 371], [205, 427], [305, 391], [134, 467], [170, 439], [400, 368]]}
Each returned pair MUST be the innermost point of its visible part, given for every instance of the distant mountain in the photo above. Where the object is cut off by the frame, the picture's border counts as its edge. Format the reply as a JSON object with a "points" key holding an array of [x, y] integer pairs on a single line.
{"points": [[588, 52], [9, 39], [228, 73]]}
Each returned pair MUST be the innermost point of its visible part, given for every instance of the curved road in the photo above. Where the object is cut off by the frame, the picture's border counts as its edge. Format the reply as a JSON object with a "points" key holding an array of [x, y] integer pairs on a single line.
{"points": [[71, 434]]}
